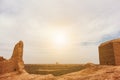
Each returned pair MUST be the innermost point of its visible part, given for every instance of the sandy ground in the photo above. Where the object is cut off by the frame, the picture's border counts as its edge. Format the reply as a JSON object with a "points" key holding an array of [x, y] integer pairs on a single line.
{"points": [[95, 72]]}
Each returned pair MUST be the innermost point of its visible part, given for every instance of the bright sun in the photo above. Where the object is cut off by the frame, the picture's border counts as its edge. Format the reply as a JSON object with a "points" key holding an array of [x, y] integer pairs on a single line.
{"points": [[60, 39]]}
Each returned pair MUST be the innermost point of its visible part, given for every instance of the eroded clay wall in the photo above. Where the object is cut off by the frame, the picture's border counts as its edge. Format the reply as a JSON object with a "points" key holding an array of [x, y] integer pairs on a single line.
{"points": [[116, 46], [7, 66], [106, 54], [15, 63]]}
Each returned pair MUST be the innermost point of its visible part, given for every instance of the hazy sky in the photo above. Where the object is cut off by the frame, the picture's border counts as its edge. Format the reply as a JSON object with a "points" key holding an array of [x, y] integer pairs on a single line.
{"points": [[85, 24]]}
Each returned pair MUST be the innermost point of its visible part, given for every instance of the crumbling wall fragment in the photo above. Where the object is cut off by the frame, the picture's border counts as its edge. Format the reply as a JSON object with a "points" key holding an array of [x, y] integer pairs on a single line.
{"points": [[15, 63]]}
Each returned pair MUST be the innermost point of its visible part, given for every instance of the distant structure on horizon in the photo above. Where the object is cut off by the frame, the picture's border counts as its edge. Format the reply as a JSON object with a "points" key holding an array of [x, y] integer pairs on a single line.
{"points": [[56, 63], [109, 52]]}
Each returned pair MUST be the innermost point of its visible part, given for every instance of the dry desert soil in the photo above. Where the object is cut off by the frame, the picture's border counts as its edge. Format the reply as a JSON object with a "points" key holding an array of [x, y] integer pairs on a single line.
{"points": [[66, 72]]}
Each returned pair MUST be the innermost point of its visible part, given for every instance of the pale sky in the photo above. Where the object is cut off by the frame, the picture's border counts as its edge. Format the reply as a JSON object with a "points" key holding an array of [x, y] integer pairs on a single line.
{"points": [[84, 23]]}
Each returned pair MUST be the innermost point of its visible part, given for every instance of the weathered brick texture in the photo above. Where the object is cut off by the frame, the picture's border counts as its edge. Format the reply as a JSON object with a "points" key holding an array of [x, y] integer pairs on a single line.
{"points": [[109, 52], [15, 63]]}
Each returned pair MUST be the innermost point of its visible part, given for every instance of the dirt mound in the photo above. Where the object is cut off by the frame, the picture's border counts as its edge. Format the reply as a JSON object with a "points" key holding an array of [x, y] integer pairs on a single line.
{"points": [[25, 76], [97, 72], [94, 73]]}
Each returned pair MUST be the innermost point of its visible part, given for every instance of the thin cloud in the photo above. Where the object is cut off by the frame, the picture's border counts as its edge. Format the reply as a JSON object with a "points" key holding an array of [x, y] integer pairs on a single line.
{"points": [[88, 23]]}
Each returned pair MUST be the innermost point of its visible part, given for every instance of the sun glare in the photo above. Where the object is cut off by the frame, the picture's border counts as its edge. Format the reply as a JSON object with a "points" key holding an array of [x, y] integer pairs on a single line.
{"points": [[60, 39]]}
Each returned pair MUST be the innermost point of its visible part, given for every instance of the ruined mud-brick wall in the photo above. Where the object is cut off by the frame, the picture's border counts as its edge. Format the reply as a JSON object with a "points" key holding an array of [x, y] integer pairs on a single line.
{"points": [[7, 66], [109, 52], [116, 46], [15, 63]]}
